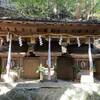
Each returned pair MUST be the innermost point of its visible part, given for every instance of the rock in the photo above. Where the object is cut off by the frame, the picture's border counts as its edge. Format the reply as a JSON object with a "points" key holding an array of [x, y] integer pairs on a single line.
{"points": [[13, 76]]}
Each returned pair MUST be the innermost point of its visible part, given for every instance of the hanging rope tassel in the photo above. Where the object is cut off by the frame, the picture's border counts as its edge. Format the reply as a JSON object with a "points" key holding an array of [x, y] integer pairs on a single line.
{"points": [[1, 42], [9, 57], [8, 37], [49, 59], [90, 58], [68, 41], [78, 42], [94, 41]]}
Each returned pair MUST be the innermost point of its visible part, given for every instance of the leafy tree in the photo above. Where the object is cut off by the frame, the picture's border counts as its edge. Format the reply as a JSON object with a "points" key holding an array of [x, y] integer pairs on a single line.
{"points": [[59, 9]]}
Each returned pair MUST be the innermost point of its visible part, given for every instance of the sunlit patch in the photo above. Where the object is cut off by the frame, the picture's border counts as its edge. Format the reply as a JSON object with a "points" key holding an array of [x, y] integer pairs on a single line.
{"points": [[72, 94], [4, 90], [81, 92], [87, 79]]}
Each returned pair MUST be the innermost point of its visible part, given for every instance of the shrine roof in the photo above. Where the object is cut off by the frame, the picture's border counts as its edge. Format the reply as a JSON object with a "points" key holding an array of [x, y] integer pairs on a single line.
{"points": [[48, 20], [33, 27]]}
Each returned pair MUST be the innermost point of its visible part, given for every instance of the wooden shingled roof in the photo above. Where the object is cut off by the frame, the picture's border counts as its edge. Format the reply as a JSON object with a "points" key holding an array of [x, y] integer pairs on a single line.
{"points": [[36, 27]]}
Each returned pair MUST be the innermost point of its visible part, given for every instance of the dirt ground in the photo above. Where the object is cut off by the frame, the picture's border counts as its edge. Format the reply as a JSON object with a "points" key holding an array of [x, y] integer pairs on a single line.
{"points": [[61, 90]]}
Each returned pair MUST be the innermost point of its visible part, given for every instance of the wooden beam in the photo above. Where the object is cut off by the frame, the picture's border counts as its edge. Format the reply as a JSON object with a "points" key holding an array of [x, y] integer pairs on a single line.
{"points": [[26, 28]]}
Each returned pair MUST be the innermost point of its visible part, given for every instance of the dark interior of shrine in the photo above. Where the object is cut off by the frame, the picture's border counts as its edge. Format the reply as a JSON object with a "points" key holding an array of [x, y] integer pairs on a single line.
{"points": [[55, 47], [65, 61]]}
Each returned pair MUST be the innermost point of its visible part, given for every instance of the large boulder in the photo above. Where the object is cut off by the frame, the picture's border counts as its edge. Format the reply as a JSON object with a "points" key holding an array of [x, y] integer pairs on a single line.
{"points": [[13, 76]]}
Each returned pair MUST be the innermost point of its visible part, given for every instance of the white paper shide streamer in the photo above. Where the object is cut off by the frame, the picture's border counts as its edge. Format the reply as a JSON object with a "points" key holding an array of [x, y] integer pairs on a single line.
{"points": [[40, 40], [78, 42], [60, 40], [20, 41]]}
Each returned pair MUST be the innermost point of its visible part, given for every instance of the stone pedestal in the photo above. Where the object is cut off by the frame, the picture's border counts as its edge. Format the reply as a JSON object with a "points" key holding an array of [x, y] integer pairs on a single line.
{"points": [[87, 79], [86, 76]]}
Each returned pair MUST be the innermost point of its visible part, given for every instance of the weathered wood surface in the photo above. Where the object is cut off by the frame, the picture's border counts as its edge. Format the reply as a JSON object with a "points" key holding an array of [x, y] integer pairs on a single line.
{"points": [[27, 28]]}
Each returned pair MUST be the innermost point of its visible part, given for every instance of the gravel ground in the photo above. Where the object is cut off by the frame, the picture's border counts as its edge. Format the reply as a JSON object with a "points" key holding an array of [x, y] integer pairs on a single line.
{"points": [[61, 90]]}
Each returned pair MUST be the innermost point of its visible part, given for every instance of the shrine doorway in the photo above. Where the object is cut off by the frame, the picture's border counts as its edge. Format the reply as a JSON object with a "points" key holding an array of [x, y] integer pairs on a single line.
{"points": [[0, 67], [97, 68], [65, 68]]}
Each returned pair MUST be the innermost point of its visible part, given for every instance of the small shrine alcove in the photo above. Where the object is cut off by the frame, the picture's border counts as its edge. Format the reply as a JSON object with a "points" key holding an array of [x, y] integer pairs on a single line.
{"points": [[65, 67], [82, 67], [30, 66], [42, 51], [97, 68]]}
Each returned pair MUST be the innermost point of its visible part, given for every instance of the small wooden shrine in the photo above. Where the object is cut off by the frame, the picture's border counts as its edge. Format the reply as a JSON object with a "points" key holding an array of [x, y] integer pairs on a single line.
{"points": [[64, 45]]}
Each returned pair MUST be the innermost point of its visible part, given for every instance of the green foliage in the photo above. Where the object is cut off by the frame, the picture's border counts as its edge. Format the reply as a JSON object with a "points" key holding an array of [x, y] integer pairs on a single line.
{"points": [[41, 68], [76, 69], [58, 9]]}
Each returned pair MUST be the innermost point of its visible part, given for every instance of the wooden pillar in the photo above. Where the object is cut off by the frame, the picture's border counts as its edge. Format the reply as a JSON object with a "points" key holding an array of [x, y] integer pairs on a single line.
{"points": [[49, 59], [9, 57]]}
